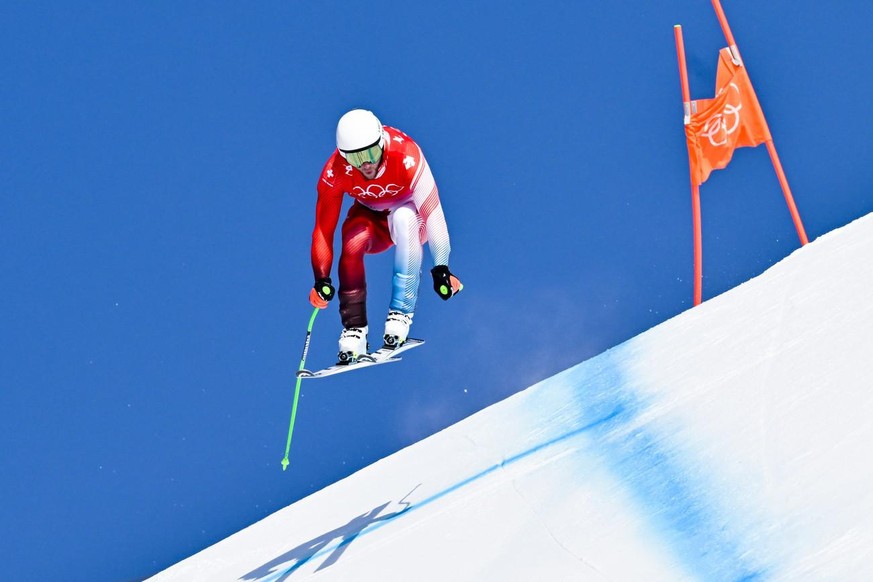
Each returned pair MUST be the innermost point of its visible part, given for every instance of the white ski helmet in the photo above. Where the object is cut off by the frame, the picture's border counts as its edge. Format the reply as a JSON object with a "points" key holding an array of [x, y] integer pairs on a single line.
{"points": [[358, 130]]}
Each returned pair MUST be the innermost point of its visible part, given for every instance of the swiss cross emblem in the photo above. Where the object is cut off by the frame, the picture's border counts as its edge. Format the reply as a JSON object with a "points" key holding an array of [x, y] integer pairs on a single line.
{"points": [[409, 162], [330, 173], [398, 139]]}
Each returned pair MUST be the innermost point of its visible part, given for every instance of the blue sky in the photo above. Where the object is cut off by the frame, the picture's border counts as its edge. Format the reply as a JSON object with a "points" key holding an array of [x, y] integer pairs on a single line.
{"points": [[159, 168]]}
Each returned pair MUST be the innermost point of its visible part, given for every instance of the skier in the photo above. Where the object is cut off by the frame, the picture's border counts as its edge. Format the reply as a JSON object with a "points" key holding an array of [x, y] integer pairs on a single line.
{"points": [[396, 203]]}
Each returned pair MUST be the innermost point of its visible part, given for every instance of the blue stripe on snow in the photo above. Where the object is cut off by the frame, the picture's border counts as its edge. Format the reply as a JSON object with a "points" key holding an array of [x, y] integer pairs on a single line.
{"points": [[671, 493], [671, 490]]}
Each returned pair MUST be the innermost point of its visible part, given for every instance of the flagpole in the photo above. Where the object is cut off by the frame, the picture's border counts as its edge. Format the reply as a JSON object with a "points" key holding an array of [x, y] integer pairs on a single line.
{"points": [[695, 188], [771, 147], [789, 199]]}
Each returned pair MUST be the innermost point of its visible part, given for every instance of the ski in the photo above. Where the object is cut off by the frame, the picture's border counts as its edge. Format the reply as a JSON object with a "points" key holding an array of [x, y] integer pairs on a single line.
{"points": [[381, 356]]}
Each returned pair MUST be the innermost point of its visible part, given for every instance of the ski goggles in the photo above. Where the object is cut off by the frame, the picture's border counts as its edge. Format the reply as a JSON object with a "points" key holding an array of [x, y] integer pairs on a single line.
{"points": [[358, 158]]}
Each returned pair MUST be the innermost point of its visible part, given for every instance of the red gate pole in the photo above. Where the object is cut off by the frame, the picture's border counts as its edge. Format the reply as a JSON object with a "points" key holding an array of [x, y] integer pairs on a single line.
{"points": [[695, 188], [771, 147]]}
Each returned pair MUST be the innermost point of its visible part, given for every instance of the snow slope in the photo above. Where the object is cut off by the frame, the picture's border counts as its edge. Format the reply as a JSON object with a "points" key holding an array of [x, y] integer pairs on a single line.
{"points": [[729, 443]]}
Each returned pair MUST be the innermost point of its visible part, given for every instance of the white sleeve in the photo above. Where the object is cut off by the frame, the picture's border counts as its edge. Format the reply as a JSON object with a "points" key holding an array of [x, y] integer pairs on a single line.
{"points": [[426, 198]]}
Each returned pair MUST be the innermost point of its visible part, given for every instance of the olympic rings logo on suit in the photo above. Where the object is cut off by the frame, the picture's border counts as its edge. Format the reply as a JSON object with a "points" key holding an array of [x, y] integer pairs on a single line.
{"points": [[376, 191]]}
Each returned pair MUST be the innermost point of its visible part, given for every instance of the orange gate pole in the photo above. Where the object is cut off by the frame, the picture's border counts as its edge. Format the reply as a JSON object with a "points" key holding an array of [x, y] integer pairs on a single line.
{"points": [[695, 188], [771, 147]]}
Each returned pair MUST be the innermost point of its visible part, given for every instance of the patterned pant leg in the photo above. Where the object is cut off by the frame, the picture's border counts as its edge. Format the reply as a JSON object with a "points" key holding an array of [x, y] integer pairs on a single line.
{"points": [[408, 233], [364, 232]]}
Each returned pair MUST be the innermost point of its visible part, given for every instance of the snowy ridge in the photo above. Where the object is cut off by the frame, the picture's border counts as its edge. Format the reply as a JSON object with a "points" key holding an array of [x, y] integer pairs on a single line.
{"points": [[729, 443]]}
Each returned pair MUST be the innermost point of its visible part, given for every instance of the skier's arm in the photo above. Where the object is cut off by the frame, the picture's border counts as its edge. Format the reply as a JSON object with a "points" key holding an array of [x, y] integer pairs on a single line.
{"points": [[426, 198], [427, 201], [327, 211]]}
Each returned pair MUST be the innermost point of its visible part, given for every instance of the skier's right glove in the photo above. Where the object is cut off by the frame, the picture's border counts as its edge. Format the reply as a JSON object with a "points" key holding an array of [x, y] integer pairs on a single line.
{"points": [[444, 283], [321, 293]]}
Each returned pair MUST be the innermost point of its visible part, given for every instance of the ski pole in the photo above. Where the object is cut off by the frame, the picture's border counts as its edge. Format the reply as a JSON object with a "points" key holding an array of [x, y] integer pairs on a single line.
{"points": [[297, 388]]}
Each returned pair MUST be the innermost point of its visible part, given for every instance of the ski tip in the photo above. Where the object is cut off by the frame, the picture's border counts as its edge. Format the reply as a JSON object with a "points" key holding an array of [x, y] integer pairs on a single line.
{"points": [[304, 373], [285, 463]]}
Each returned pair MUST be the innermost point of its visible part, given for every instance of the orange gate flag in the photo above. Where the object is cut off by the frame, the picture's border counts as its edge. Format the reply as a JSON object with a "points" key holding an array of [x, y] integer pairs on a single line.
{"points": [[714, 128]]}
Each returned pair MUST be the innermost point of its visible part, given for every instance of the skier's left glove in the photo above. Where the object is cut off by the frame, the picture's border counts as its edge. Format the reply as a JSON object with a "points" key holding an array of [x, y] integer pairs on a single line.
{"points": [[444, 283], [321, 293]]}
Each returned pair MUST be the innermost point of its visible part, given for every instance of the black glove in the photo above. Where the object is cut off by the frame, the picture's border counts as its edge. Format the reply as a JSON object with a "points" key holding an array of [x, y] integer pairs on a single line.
{"points": [[321, 293], [444, 283]]}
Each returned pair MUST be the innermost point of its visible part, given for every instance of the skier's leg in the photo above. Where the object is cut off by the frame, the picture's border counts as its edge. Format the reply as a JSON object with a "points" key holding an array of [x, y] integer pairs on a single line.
{"points": [[407, 232], [363, 232]]}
